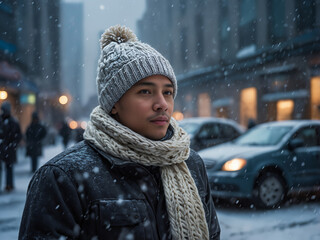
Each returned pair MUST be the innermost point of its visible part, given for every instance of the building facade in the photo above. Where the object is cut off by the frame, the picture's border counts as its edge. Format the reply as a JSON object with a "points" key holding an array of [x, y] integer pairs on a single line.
{"points": [[72, 56], [240, 59], [29, 58]]}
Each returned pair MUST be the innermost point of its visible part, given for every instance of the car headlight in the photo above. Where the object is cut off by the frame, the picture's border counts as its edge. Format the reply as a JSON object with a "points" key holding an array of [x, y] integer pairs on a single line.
{"points": [[234, 164]]}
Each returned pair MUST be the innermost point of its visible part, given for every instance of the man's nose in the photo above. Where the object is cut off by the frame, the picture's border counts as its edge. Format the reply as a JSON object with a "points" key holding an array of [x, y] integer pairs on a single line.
{"points": [[160, 103]]}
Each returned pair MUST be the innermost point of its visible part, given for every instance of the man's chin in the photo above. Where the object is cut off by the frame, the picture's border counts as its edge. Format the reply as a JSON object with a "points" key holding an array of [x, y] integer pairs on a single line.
{"points": [[156, 136]]}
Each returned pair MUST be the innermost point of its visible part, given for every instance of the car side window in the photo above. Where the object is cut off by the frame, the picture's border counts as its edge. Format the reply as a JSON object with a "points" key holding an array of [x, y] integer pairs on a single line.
{"points": [[308, 135], [228, 131], [209, 131]]}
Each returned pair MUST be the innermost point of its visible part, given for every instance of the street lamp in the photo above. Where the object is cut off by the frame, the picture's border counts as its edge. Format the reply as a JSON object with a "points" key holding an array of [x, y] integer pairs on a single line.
{"points": [[73, 124], [178, 116], [63, 99], [3, 95]]}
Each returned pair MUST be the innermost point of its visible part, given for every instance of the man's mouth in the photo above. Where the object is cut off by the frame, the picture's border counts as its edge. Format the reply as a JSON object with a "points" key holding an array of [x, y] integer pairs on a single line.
{"points": [[161, 120]]}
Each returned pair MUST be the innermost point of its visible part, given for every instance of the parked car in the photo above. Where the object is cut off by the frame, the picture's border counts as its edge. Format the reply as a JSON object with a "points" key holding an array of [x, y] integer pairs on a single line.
{"points": [[210, 131], [267, 163]]}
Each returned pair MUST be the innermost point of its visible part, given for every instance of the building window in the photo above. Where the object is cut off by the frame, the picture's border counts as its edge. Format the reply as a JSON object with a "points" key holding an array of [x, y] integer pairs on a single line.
{"points": [[223, 112], [184, 48], [315, 97], [305, 15], [284, 110], [169, 5], [224, 28], [36, 38], [276, 20], [183, 7], [248, 105], [204, 105], [171, 53], [7, 20], [189, 106], [247, 25], [199, 28]]}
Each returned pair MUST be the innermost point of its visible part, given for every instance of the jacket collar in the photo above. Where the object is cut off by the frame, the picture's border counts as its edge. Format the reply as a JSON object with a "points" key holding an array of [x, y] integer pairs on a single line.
{"points": [[113, 160]]}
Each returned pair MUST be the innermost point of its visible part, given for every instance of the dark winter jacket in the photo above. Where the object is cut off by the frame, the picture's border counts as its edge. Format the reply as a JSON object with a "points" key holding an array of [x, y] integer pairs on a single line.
{"points": [[34, 135], [84, 193], [10, 136]]}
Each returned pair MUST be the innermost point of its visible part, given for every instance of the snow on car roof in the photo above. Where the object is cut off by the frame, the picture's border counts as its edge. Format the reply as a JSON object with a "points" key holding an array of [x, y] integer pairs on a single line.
{"points": [[294, 123], [207, 119], [201, 120]]}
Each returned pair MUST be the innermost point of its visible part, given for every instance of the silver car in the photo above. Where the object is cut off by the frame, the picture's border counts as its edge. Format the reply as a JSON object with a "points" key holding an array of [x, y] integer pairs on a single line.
{"points": [[210, 131]]}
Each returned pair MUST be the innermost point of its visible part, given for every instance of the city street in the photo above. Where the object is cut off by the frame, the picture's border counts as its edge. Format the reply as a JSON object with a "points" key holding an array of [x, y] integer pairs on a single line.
{"points": [[241, 78], [300, 220]]}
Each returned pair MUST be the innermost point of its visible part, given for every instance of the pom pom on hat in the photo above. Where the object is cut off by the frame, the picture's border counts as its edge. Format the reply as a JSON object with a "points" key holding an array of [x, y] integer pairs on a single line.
{"points": [[123, 62], [118, 34]]}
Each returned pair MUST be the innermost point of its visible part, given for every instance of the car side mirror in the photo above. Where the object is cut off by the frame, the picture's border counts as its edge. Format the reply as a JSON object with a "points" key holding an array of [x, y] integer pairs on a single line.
{"points": [[295, 143]]}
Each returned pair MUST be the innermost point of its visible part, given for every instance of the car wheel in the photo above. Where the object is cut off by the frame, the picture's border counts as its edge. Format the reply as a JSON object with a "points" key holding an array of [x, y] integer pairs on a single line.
{"points": [[269, 191]]}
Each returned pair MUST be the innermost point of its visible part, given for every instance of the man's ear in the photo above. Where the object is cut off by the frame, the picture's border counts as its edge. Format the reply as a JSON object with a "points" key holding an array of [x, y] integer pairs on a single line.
{"points": [[114, 110]]}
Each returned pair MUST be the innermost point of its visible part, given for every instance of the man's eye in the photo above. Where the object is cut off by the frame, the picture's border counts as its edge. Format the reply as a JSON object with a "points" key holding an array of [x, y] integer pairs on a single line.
{"points": [[144, 91], [168, 93]]}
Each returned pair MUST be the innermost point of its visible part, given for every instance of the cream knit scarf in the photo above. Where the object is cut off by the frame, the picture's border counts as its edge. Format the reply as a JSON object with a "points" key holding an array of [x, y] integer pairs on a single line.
{"points": [[184, 206]]}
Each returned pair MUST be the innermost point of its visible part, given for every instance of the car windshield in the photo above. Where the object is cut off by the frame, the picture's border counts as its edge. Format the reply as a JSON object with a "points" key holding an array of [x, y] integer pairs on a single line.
{"points": [[190, 128], [263, 136]]}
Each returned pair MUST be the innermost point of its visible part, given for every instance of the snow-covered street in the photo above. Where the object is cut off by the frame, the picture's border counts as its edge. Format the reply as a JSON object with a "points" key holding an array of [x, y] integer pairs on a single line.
{"points": [[295, 221], [12, 204]]}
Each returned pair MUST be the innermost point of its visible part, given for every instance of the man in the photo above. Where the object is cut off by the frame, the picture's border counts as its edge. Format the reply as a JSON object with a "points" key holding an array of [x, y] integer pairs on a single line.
{"points": [[35, 134], [10, 136], [134, 176]]}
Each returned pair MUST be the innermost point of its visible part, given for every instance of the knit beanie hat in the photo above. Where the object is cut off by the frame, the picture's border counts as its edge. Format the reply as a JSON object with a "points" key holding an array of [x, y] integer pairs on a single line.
{"points": [[123, 62]]}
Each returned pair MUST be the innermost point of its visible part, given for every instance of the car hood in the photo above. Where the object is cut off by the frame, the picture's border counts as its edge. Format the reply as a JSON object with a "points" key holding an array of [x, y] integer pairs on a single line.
{"points": [[228, 151]]}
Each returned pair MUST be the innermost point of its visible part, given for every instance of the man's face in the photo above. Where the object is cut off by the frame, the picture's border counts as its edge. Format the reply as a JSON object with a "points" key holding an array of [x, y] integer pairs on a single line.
{"points": [[146, 107]]}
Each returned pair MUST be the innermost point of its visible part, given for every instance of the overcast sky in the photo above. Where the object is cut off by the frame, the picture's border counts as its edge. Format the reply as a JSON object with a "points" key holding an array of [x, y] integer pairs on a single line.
{"points": [[99, 15]]}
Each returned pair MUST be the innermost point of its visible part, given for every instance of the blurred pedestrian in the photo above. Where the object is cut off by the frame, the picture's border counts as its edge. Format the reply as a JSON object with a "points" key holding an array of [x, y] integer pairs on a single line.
{"points": [[65, 133], [10, 136], [134, 176], [251, 123], [35, 134]]}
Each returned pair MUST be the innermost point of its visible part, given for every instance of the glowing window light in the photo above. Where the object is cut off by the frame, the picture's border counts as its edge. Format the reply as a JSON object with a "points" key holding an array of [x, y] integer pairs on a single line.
{"points": [[284, 109]]}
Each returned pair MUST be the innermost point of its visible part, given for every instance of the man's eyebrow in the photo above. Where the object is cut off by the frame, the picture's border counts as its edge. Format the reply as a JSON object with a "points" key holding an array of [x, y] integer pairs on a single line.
{"points": [[153, 84]]}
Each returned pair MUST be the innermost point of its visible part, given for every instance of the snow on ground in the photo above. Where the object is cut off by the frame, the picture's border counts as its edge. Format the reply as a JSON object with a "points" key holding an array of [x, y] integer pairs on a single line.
{"points": [[12, 204], [296, 221], [291, 222]]}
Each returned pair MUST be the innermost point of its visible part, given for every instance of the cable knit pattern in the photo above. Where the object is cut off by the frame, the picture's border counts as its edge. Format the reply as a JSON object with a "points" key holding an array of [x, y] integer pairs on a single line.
{"points": [[184, 206]]}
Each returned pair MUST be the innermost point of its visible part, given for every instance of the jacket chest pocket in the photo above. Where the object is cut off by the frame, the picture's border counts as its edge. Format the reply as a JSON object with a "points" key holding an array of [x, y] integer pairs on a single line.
{"points": [[120, 219]]}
